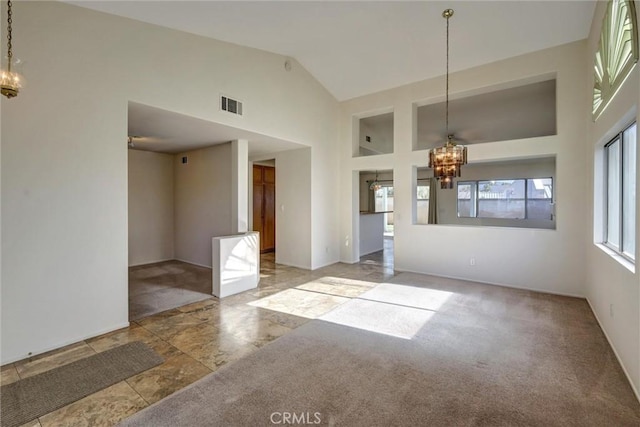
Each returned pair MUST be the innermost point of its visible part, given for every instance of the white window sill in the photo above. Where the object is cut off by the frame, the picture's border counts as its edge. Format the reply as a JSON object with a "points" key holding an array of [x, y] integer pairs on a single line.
{"points": [[616, 256]]}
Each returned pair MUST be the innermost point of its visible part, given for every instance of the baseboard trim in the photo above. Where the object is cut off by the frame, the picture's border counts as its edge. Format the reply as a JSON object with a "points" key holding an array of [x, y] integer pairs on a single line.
{"points": [[151, 262], [303, 267], [504, 285], [67, 342], [326, 264], [624, 368], [370, 252], [192, 263]]}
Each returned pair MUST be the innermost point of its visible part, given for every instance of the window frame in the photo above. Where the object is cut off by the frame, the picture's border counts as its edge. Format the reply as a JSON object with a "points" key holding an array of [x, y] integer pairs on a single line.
{"points": [[620, 249], [475, 184], [605, 85], [418, 200]]}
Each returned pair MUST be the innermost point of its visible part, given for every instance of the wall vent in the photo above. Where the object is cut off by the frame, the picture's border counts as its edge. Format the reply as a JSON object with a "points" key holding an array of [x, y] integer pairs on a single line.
{"points": [[231, 105]]}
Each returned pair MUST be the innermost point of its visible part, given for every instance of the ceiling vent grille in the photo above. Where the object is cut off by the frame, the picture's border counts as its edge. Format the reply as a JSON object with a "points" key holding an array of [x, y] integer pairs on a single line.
{"points": [[230, 105]]}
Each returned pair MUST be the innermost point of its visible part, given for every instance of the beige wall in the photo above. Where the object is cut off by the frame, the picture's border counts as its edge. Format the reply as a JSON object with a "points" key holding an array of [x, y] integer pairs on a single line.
{"points": [[379, 131], [150, 207], [64, 190], [612, 289], [203, 202], [293, 206], [545, 260]]}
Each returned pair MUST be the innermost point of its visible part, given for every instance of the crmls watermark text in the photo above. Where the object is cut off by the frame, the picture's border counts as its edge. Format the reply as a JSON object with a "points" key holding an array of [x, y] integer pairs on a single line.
{"points": [[292, 418]]}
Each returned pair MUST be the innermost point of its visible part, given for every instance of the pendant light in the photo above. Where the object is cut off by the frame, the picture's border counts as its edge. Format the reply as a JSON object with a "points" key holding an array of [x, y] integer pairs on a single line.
{"points": [[10, 79], [447, 160], [375, 185]]}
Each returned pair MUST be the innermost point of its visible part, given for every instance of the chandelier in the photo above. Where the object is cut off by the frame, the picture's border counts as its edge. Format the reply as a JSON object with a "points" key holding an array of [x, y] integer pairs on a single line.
{"points": [[10, 79], [375, 185], [447, 160]]}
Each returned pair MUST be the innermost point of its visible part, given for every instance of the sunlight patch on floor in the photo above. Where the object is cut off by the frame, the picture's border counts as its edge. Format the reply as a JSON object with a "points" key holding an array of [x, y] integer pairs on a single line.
{"points": [[315, 297], [408, 296], [385, 308], [390, 309], [300, 303], [388, 319]]}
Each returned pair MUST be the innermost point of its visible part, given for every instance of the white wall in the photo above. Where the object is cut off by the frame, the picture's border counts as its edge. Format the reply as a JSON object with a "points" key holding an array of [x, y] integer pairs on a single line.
{"points": [[203, 201], [324, 186], [240, 186], [609, 284], [64, 190], [380, 132], [371, 233], [150, 207], [293, 206], [545, 260]]}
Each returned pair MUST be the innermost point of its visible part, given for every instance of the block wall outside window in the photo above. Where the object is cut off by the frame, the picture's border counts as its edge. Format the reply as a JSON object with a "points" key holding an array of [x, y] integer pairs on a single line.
{"points": [[526, 198]]}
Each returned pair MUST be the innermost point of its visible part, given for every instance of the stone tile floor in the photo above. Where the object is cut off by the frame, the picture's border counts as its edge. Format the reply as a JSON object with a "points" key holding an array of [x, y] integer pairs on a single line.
{"points": [[198, 338]]}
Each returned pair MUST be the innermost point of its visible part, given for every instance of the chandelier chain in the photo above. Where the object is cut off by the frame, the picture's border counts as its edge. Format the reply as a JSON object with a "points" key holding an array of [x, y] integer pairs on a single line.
{"points": [[447, 90], [9, 37]]}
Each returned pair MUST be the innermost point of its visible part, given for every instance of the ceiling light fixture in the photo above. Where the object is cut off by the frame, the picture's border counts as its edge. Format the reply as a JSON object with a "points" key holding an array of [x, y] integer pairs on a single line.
{"points": [[375, 185], [446, 160], [11, 81]]}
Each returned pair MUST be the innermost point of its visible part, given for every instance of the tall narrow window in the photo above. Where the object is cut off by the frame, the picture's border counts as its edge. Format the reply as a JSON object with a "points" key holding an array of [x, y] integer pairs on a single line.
{"points": [[467, 199], [422, 203], [384, 203], [617, 52], [620, 206], [540, 198]]}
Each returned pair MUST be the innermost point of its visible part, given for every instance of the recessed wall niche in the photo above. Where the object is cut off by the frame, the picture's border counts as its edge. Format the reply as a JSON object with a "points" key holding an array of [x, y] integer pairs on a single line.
{"points": [[375, 135], [520, 112]]}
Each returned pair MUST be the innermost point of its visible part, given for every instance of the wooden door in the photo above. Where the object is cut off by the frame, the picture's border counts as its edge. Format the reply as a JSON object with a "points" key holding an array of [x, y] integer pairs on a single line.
{"points": [[264, 206]]}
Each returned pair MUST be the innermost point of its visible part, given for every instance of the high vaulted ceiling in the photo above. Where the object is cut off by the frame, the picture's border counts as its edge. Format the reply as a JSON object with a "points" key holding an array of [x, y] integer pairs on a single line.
{"points": [[358, 47]]}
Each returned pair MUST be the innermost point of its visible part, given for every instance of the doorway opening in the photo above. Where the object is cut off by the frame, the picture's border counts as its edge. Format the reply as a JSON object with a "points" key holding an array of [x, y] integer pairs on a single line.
{"points": [[264, 204], [376, 219], [184, 188]]}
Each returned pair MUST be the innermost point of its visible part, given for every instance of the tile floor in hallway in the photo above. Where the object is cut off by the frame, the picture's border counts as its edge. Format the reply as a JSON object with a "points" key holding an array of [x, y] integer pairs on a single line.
{"points": [[198, 338]]}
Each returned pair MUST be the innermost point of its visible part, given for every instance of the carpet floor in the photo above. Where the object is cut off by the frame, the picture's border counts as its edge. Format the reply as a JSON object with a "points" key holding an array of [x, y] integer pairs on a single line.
{"points": [[27, 399], [421, 351], [154, 288]]}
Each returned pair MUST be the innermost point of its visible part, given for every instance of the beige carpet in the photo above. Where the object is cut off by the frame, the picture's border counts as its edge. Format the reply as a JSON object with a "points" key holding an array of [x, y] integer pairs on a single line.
{"points": [[471, 355], [27, 399], [154, 288]]}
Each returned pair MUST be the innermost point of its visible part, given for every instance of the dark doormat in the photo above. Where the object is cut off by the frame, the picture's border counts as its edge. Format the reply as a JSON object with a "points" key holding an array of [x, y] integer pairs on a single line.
{"points": [[30, 398]]}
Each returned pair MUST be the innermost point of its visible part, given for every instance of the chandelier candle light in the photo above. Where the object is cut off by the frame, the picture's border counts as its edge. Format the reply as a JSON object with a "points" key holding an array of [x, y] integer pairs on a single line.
{"points": [[447, 160], [10, 79], [375, 185]]}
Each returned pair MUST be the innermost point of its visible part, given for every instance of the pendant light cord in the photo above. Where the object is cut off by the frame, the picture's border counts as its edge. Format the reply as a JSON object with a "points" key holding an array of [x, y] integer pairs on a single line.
{"points": [[447, 90], [9, 22]]}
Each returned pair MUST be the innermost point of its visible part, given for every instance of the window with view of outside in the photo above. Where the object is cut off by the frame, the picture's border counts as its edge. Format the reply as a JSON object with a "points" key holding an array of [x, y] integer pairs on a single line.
{"points": [[501, 199], [384, 203], [422, 204], [540, 198], [466, 199], [617, 52], [620, 206], [530, 198]]}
